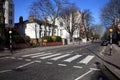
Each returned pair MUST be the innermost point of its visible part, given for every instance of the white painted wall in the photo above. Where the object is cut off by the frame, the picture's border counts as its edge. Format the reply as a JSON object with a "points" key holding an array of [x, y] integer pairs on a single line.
{"points": [[30, 30], [9, 13]]}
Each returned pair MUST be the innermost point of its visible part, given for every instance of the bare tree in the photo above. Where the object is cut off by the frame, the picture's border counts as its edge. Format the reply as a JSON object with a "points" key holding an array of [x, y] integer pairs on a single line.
{"points": [[87, 17], [46, 9], [98, 30], [110, 12], [71, 18], [87, 20]]}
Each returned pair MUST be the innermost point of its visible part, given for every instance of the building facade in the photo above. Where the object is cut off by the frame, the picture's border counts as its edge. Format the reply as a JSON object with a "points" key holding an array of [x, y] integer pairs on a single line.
{"points": [[9, 13]]}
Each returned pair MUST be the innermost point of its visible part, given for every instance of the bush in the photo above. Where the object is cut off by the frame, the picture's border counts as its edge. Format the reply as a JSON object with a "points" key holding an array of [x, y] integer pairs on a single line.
{"points": [[1, 41], [58, 39], [53, 38], [20, 39], [48, 38]]}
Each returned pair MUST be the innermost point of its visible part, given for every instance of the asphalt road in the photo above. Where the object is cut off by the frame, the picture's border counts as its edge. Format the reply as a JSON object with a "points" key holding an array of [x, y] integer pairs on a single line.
{"points": [[64, 63]]}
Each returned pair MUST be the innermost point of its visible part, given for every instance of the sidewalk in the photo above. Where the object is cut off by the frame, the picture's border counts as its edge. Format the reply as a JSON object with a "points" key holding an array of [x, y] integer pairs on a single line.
{"points": [[112, 62], [7, 52]]}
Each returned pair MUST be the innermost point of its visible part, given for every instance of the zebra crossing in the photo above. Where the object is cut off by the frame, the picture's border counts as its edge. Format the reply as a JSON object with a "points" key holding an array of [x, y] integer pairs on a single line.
{"points": [[68, 57]]}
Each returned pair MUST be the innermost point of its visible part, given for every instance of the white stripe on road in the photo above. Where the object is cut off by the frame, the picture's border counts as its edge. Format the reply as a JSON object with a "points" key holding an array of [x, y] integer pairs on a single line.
{"points": [[13, 58], [27, 59], [101, 53], [49, 63], [78, 67], [20, 58], [26, 64], [5, 71], [62, 64], [38, 61], [59, 57], [32, 54], [72, 58], [50, 56], [41, 55], [84, 74], [87, 59]]}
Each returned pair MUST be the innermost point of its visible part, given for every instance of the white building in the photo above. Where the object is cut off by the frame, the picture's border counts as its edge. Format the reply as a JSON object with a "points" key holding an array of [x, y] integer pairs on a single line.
{"points": [[36, 28], [61, 31], [9, 13]]}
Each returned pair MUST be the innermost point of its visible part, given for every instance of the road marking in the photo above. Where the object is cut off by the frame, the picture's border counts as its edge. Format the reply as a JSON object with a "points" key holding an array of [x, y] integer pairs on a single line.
{"points": [[78, 67], [49, 63], [13, 58], [7, 57], [27, 59], [95, 69], [20, 58], [38, 61], [41, 55], [32, 54], [87, 59], [5, 71], [25, 64], [84, 74], [101, 53], [70, 52], [62, 65], [59, 57], [50, 56], [72, 58]]}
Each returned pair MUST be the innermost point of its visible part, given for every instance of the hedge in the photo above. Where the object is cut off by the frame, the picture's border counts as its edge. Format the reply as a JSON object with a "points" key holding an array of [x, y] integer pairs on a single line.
{"points": [[21, 39], [48, 38], [52, 38]]}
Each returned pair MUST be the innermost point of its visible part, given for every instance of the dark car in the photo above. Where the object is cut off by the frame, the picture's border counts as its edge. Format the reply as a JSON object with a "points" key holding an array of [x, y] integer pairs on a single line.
{"points": [[104, 43]]}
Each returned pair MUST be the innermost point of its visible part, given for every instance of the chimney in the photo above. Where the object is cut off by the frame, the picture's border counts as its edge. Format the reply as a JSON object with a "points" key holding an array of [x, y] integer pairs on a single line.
{"points": [[31, 18]]}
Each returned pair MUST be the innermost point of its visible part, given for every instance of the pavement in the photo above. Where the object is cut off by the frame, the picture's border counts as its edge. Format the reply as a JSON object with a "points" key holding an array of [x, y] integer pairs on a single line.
{"points": [[112, 61]]}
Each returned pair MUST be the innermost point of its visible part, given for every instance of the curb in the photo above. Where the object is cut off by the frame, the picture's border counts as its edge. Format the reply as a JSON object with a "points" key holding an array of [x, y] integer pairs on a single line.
{"points": [[113, 73], [113, 66]]}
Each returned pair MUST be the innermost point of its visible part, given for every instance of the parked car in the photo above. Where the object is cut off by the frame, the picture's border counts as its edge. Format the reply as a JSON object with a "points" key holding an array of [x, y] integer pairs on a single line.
{"points": [[104, 43]]}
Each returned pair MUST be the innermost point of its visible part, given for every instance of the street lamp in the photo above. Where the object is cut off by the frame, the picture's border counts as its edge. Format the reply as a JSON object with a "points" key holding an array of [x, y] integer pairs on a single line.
{"points": [[111, 31]]}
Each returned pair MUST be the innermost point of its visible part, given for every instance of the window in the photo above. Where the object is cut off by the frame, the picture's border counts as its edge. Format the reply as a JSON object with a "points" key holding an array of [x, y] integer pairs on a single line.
{"points": [[10, 21], [10, 13], [61, 24], [11, 6]]}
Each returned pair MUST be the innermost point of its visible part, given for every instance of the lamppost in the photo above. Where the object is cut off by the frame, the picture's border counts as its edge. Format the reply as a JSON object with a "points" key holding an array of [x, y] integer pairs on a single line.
{"points": [[111, 31]]}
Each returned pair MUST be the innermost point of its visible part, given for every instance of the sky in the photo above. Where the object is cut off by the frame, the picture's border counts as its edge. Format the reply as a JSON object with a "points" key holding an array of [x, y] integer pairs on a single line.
{"points": [[22, 8]]}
